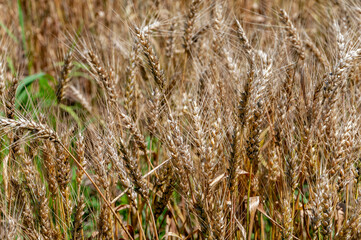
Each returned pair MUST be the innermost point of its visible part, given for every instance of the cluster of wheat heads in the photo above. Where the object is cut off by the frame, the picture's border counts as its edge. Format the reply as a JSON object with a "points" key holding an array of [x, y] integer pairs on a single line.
{"points": [[181, 120]]}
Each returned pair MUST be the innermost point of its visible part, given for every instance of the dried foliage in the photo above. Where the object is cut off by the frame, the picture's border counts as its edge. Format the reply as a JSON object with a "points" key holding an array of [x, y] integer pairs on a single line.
{"points": [[199, 119]]}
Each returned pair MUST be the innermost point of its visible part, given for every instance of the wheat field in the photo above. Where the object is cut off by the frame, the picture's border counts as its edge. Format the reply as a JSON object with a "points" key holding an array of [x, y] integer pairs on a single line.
{"points": [[171, 119]]}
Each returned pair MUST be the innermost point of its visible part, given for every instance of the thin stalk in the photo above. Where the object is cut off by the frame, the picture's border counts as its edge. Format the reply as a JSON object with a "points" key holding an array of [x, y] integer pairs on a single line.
{"points": [[97, 188], [153, 220]]}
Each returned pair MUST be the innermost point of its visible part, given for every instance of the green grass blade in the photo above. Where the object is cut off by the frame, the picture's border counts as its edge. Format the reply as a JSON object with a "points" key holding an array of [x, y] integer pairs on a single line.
{"points": [[22, 26], [26, 82], [7, 30]]}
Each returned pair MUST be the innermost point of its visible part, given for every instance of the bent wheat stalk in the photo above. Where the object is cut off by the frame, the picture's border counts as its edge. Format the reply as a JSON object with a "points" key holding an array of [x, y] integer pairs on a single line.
{"points": [[45, 132]]}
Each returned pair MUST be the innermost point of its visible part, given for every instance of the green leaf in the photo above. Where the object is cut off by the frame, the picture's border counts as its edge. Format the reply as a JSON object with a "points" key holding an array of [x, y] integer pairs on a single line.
{"points": [[11, 66], [45, 91], [22, 25], [26, 82], [11, 35]]}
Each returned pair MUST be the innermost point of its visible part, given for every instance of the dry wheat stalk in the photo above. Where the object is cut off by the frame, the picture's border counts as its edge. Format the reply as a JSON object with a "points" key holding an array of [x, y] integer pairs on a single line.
{"points": [[2, 79], [41, 130], [246, 140], [293, 35], [133, 171], [130, 95], [74, 93], [189, 24], [64, 78], [153, 61]]}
